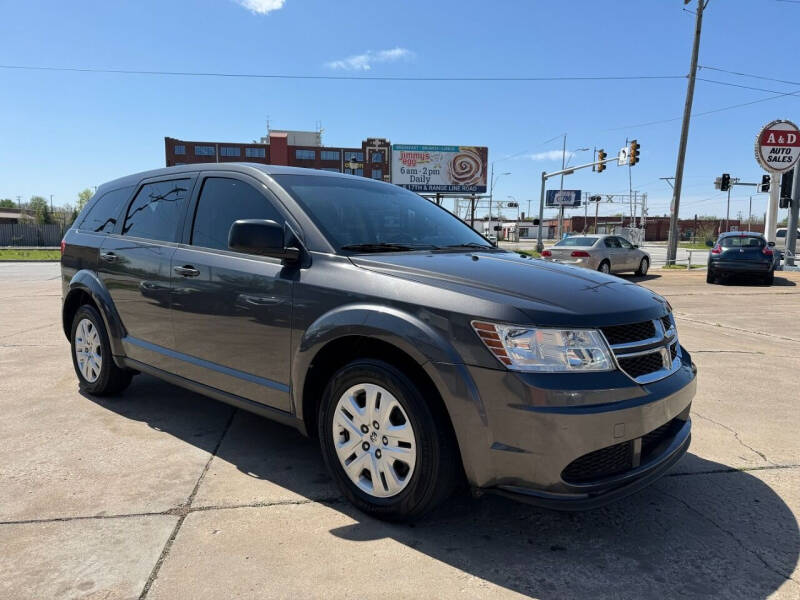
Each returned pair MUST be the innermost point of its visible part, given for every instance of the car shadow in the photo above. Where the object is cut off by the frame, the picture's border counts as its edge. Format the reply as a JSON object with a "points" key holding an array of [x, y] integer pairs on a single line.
{"points": [[704, 530], [744, 279], [639, 278]]}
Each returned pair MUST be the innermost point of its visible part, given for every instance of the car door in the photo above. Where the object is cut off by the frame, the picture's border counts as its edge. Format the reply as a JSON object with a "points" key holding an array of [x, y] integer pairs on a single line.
{"points": [[134, 265], [613, 250], [231, 312], [629, 256]]}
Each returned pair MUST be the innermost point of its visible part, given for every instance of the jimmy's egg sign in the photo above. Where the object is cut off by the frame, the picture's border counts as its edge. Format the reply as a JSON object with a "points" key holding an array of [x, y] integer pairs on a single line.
{"points": [[778, 146]]}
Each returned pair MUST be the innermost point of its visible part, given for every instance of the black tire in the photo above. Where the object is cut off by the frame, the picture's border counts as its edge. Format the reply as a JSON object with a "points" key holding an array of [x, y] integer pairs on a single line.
{"points": [[600, 267], [437, 471], [644, 265], [769, 278], [111, 379], [710, 277]]}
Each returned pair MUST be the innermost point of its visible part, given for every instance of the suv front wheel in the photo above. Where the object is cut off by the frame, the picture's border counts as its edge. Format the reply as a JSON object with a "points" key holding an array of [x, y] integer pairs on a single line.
{"points": [[388, 450], [91, 355]]}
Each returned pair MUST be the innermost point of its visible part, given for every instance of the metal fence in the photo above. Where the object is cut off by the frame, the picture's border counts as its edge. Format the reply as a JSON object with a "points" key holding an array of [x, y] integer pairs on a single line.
{"points": [[15, 234]]}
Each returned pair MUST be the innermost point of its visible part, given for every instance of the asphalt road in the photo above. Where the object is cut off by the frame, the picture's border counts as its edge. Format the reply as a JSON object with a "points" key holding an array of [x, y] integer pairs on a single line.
{"points": [[164, 494]]}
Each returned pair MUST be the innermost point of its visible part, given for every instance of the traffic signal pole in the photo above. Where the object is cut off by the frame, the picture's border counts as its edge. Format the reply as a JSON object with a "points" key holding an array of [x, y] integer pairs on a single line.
{"points": [[794, 209], [672, 245]]}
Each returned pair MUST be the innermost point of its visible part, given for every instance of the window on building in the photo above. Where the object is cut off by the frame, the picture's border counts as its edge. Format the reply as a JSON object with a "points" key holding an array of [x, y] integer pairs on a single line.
{"points": [[329, 155], [230, 151], [359, 172], [255, 152], [377, 157], [156, 210], [354, 156], [180, 149], [223, 201], [204, 151], [377, 173], [301, 154], [333, 169], [104, 212]]}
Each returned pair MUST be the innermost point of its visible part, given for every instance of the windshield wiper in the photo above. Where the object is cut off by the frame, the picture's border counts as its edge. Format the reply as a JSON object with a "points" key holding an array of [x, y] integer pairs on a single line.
{"points": [[470, 245], [387, 247]]}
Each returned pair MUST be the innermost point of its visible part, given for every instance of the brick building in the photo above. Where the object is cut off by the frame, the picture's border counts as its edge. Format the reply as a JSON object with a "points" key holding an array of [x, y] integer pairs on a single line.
{"points": [[372, 159]]}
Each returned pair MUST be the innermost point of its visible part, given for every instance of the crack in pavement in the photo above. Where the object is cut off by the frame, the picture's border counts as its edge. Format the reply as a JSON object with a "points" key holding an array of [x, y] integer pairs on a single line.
{"points": [[183, 510], [702, 515], [683, 317], [187, 504], [736, 435]]}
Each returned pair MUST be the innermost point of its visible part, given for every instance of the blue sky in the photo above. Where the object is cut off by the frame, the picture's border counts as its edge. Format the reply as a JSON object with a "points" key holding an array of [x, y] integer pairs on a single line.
{"points": [[63, 131]]}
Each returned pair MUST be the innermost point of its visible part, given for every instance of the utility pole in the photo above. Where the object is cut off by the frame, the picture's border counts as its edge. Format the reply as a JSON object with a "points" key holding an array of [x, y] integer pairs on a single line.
{"points": [[728, 210], [794, 209], [672, 246]]}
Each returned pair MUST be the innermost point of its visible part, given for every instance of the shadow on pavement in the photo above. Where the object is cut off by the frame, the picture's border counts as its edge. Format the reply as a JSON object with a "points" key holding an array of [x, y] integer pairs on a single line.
{"points": [[750, 280], [640, 278], [703, 531]]}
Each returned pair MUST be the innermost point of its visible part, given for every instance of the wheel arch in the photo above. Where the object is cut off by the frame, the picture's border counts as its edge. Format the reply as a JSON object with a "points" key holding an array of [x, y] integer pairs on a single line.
{"points": [[86, 288]]}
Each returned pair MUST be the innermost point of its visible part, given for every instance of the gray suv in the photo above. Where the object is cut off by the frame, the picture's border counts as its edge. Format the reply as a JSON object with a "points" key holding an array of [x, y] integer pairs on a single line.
{"points": [[420, 355]]}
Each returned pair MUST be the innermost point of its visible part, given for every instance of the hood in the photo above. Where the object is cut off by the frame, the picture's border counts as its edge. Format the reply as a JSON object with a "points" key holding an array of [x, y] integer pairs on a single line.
{"points": [[547, 293]]}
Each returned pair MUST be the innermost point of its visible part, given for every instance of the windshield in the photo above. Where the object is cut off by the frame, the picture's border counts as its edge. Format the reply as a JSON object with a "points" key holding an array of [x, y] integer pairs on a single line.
{"points": [[366, 216], [577, 241], [742, 242]]}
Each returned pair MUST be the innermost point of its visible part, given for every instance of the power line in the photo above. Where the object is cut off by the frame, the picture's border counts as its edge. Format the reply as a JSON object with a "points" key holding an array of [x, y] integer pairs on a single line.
{"points": [[748, 87], [740, 74], [334, 77]]}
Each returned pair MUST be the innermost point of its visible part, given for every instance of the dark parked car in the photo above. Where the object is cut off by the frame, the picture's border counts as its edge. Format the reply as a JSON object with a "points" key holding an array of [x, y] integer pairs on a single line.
{"points": [[742, 252], [420, 355]]}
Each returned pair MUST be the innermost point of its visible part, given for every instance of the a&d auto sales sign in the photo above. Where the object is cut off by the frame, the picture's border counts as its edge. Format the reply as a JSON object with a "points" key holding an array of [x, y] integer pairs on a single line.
{"points": [[778, 146]]}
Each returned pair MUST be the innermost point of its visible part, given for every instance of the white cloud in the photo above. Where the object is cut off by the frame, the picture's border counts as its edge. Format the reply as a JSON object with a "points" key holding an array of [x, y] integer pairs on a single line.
{"points": [[551, 155], [261, 7], [364, 62]]}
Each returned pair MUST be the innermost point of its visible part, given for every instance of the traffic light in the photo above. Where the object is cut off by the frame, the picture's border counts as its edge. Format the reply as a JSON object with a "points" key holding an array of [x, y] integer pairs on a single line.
{"points": [[765, 182], [536, 221], [601, 156], [633, 153], [725, 182]]}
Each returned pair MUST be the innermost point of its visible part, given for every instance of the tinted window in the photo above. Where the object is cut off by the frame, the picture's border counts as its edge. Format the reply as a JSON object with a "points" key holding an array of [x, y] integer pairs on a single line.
{"points": [[377, 173], [612, 242], [180, 149], [624, 243], [329, 154], [103, 214], [204, 151], [156, 210], [781, 233], [576, 241], [377, 157], [360, 211], [255, 152], [305, 154], [355, 156], [223, 201], [742, 241], [230, 151]]}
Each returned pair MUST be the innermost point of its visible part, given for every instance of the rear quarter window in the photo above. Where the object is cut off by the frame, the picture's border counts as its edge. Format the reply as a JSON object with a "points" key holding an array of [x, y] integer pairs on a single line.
{"points": [[103, 213]]}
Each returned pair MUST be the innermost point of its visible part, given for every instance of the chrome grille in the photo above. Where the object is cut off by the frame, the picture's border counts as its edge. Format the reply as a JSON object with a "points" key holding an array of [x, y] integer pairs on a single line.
{"points": [[645, 351]]}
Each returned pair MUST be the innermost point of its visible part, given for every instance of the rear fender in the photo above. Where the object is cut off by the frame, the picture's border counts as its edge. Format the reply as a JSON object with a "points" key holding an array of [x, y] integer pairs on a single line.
{"points": [[87, 282]]}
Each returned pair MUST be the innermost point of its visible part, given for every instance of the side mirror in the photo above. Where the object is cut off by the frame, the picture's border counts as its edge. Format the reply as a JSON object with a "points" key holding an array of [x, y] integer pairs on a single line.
{"points": [[261, 237], [771, 244], [635, 245]]}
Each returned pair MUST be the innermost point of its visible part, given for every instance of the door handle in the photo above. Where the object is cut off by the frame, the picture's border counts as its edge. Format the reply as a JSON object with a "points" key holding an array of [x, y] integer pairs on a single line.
{"points": [[187, 271], [108, 256]]}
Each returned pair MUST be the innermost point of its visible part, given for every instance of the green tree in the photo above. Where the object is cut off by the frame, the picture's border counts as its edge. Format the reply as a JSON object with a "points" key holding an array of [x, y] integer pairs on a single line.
{"points": [[83, 198], [41, 210], [7, 203]]}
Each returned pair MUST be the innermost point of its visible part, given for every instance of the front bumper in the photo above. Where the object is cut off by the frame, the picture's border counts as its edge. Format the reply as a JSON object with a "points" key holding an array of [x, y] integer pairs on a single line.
{"points": [[539, 425]]}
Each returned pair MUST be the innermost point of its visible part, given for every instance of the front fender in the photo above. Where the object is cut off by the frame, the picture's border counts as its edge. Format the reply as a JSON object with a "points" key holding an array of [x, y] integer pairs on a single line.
{"points": [[87, 282], [419, 340]]}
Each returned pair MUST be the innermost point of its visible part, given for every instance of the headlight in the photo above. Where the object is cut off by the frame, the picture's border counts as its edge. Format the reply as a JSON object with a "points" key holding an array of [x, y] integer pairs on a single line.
{"points": [[545, 350]]}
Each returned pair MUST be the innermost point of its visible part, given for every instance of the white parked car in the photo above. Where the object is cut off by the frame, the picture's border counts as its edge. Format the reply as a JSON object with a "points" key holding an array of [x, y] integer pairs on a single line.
{"points": [[780, 240], [604, 253]]}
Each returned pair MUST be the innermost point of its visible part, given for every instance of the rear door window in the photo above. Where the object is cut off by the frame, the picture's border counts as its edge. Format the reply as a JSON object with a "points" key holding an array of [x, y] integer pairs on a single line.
{"points": [[223, 201], [624, 243], [157, 210], [612, 242], [104, 212]]}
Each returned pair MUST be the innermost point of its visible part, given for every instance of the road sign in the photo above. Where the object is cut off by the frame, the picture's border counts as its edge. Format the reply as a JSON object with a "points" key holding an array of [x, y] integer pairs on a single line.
{"points": [[778, 146], [623, 156], [566, 198]]}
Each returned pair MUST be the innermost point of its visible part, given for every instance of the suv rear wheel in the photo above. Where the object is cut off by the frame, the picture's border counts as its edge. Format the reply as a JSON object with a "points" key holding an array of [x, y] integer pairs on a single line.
{"points": [[91, 355], [388, 451]]}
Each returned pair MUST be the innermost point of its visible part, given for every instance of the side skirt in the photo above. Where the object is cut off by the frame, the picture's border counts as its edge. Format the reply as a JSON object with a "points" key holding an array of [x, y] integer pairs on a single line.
{"points": [[268, 412]]}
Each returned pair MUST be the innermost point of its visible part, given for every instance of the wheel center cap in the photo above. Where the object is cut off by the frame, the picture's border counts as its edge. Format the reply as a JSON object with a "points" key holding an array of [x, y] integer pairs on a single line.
{"points": [[373, 437]]}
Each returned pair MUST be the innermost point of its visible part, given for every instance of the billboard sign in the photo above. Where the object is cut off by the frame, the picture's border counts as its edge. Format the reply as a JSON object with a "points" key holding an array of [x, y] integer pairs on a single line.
{"points": [[442, 169], [778, 146], [565, 198]]}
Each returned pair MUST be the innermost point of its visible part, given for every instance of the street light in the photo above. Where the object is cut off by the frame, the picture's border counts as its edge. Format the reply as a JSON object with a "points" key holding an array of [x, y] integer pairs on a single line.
{"points": [[491, 188]]}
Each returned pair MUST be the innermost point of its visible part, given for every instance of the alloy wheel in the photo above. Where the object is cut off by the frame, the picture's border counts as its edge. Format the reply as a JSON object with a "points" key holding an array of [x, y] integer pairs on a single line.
{"points": [[374, 440], [88, 350]]}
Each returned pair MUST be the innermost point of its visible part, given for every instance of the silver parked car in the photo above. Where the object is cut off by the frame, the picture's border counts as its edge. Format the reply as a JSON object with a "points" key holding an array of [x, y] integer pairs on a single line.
{"points": [[605, 253]]}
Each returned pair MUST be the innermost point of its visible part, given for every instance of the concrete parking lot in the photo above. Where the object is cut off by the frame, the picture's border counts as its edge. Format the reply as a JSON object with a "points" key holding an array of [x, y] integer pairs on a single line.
{"points": [[164, 494]]}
